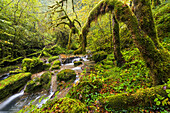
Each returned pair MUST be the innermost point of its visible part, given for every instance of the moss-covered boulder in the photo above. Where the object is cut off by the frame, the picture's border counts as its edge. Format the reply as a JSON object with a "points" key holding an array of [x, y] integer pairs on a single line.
{"points": [[63, 105], [53, 58], [34, 65], [66, 74], [33, 86], [39, 84], [13, 84], [56, 65], [77, 63], [99, 56]]}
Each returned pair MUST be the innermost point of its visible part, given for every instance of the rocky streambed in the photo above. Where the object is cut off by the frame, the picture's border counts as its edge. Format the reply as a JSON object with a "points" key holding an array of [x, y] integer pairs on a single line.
{"points": [[21, 99]]}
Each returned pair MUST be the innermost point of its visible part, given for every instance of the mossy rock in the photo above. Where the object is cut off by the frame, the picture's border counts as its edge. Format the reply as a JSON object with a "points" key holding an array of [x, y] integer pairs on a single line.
{"points": [[45, 80], [57, 62], [53, 58], [65, 105], [77, 63], [13, 83], [16, 71], [66, 74], [56, 65], [99, 56], [34, 65], [33, 86], [39, 84]]}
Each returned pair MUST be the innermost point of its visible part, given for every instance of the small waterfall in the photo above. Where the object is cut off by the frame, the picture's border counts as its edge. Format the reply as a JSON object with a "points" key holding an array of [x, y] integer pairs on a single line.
{"points": [[5, 76], [10, 99], [46, 99]]}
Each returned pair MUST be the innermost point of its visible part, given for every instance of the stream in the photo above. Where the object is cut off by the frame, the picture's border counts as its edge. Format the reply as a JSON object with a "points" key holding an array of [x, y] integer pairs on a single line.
{"points": [[19, 100]]}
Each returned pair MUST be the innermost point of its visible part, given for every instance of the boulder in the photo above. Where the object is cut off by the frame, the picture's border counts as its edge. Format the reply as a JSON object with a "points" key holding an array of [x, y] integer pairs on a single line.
{"points": [[66, 75]]}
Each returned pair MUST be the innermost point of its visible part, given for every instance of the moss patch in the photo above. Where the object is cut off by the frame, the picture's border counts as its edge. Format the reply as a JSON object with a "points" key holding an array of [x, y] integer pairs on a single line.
{"points": [[38, 84], [66, 74], [53, 58], [34, 65]]}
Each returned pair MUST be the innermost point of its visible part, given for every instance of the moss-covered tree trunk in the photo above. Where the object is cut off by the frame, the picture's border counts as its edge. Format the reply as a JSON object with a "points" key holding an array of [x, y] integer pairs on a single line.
{"points": [[143, 97], [116, 42], [143, 12], [156, 59]]}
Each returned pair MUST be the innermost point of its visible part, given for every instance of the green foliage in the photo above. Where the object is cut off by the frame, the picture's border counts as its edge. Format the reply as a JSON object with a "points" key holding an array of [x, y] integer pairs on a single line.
{"points": [[34, 65], [99, 56], [66, 105], [13, 83], [55, 50], [7, 69], [16, 71], [66, 74], [52, 58]]}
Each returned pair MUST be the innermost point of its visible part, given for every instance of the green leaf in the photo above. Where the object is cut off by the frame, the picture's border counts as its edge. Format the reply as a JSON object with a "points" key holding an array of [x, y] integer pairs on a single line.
{"points": [[156, 99], [158, 103]]}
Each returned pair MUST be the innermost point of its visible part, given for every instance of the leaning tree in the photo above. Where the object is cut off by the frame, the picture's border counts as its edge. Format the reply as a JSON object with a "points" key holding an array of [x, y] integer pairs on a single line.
{"points": [[142, 27]]}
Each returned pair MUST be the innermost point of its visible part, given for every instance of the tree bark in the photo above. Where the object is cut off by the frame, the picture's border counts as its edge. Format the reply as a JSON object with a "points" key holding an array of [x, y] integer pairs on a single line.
{"points": [[143, 12], [116, 42]]}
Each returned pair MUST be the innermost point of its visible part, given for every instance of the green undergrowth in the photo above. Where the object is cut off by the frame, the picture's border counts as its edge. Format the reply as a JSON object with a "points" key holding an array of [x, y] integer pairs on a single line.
{"points": [[63, 105], [108, 79]]}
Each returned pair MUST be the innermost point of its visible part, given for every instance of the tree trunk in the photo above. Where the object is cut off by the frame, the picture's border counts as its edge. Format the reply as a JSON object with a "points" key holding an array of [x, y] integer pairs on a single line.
{"points": [[116, 42], [143, 12], [156, 59], [143, 97]]}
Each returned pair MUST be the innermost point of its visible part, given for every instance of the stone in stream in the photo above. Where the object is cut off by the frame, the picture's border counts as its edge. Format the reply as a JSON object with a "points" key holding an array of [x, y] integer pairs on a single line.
{"points": [[77, 63], [34, 65], [39, 83], [56, 65]]}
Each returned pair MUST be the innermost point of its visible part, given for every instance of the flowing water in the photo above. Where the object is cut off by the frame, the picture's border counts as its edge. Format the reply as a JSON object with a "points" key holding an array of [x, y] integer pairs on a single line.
{"points": [[17, 101]]}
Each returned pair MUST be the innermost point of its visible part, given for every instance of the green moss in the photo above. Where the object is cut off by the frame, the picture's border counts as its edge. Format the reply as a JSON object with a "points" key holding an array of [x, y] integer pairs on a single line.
{"points": [[66, 74], [99, 56], [56, 65], [34, 65], [13, 83], [143, 97], [77, 63], [53, 58], [66, 105], [39, 84], [16, 71]]}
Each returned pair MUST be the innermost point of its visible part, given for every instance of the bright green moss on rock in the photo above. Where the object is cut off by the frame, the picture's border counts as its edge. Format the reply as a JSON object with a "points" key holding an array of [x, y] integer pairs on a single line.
{"points": [[13, 83], [99, 56], [39, 84], [34, 65], [53, 58], [77, 63], [66, 74], [56, 65], [65, 105]]}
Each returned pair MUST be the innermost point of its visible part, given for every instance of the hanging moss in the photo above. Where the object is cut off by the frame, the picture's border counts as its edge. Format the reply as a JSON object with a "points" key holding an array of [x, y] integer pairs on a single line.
{"points": [[143, 97]]}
